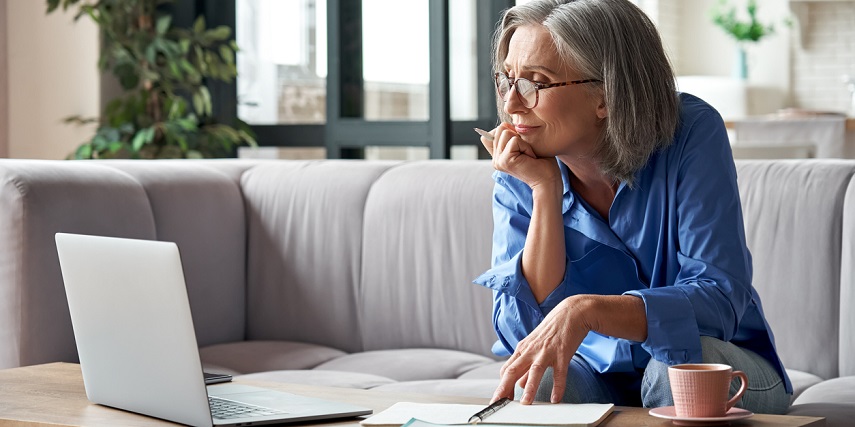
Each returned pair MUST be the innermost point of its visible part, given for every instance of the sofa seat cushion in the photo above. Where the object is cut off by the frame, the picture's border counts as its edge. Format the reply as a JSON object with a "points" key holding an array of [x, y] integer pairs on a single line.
{"points": [[468, 388], [321, 378], [836, 390], [485, 372], [247, 357], [801, 382], [408, 364], [833, 399]]}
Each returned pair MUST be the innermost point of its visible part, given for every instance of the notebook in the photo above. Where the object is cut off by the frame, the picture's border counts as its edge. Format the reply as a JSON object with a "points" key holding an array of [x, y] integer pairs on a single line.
{"points": [[137, 346], [515, 413]]}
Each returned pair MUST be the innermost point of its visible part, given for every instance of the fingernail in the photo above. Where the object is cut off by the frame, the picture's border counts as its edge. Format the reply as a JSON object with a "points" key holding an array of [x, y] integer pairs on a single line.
{"points": [[484, 133], [555, 398], [525, 397]]}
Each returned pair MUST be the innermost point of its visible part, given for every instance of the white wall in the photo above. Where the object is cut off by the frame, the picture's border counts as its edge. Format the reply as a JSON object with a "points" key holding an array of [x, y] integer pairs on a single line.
{"points": [[705, 49], [824, 55], [52, 74], [4, 104]]}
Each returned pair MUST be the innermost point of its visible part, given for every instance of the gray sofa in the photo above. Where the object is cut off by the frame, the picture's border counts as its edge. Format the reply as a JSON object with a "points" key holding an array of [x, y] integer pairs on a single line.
{"points": [[358, 274]]}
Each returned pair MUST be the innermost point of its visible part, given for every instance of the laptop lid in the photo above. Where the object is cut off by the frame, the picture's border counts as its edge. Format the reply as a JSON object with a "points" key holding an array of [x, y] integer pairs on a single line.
{"points": [[135, 337], [131, 320]]}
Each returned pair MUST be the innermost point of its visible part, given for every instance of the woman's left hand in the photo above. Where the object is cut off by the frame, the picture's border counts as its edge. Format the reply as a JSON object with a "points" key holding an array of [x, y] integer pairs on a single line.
{"points": [[552, 344]]}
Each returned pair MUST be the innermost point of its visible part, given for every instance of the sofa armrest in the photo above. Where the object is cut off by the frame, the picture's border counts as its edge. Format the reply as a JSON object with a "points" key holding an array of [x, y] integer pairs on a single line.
{"points": [[39, 199]]}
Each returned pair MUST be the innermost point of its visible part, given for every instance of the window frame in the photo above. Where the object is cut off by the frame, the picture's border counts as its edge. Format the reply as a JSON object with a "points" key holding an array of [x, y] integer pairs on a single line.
{"points": [[346, 136]]}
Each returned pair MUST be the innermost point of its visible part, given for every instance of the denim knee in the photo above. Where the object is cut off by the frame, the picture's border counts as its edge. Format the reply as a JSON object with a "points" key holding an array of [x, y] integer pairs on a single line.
{"points": [[655, 386]]}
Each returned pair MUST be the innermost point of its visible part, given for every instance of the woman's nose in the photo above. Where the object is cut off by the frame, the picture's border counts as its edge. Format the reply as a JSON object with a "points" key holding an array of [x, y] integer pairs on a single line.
{"points": [[513, 104]]}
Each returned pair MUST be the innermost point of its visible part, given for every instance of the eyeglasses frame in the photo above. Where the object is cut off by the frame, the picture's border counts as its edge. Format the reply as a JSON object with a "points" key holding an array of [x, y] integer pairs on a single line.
{"points": [[537, 87]]}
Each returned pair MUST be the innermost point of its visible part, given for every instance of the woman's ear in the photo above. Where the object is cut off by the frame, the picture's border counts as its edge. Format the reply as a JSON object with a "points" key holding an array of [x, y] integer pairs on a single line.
{"points": [[602, 110]]}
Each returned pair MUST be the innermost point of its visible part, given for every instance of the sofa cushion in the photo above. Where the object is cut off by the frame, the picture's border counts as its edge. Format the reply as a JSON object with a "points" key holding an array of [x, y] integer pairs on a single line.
{"points": [[801, 381], [408, 364], [794, 209], [321, 378], [201, 209], [39, 199], [833, 399], [428, 231], [468, 388], [486, 372], [847, 286], [837, 390], [257, 356], [304, 249]]}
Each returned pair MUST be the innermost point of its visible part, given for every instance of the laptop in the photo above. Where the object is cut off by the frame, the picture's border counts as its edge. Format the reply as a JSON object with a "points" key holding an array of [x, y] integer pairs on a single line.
{"points": [[137, 346]]}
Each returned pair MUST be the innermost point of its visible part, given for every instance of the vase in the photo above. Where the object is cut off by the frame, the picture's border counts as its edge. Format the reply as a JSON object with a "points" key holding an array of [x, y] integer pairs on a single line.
{"points": [[740, 64]]}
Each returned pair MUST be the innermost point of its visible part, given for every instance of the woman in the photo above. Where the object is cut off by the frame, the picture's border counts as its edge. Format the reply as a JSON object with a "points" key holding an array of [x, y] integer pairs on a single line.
{"points": [[618, 246]]}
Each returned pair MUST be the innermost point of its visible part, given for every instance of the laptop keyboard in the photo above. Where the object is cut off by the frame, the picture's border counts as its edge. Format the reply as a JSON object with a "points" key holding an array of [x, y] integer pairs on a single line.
{"points": [[224, 409]]}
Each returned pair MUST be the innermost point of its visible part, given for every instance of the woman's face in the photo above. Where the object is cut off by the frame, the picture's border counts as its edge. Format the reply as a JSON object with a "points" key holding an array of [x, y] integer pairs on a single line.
{"points": [[567, 120]]}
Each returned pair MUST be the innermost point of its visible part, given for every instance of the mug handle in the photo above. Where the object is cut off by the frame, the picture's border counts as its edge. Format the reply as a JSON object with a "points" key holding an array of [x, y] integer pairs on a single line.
{"points": [[744, 380]]}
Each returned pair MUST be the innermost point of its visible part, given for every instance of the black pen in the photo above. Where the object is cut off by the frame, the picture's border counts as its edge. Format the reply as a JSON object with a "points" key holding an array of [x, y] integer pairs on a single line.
{"points": [[489, 410]]}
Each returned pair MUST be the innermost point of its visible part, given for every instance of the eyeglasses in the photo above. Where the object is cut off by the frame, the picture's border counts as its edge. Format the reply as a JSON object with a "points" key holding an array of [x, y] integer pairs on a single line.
{"points": [[527, 90]]}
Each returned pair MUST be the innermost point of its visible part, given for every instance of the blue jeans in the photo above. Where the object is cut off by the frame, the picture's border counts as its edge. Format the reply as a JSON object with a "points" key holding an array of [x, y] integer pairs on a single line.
{"points": [[651, 388]]}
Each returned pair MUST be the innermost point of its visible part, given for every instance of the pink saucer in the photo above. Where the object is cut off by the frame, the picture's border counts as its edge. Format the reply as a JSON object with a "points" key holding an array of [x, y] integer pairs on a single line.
{"points": [[670, 413]]}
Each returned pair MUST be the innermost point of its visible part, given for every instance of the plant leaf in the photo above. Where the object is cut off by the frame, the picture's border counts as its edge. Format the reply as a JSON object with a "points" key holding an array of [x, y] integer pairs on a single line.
{"points": [[199, 25], [163, 24], [143, 136]]}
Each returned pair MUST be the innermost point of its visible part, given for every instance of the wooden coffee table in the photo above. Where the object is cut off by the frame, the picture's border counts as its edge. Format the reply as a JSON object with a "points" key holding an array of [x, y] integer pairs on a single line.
{"points": [[53, 395]]}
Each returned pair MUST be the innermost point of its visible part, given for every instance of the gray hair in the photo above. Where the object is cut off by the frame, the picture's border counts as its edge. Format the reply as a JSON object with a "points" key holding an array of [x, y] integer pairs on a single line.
{"points": [[615, 42]]}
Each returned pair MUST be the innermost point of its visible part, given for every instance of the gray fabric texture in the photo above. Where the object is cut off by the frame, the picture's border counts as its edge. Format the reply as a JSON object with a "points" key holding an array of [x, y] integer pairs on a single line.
{"points": [[485, 372], [201, 210], [322, 378], [801, 381], [428, 234], [793, 209], [847, 286], [39, 199], [836, 390], [408, 364], [467, 388], [304, 250], [833, 399], [258, 356]]}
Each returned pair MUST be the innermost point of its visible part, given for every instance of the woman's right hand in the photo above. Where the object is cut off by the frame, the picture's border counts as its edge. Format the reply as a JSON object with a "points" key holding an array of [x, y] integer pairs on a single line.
{"points": [[517, 158]]}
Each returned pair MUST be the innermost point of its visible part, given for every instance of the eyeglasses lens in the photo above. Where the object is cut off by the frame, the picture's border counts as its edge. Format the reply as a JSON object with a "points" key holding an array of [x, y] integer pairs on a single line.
{"points": [[526, 90]]}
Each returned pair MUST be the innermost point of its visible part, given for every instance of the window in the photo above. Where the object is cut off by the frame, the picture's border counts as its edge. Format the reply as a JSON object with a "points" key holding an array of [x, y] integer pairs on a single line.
{"points": [[349, 74], [282, 62]]}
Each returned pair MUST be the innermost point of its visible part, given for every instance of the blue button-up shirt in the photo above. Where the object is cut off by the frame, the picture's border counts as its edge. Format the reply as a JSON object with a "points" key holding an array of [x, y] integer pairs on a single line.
{"points": [[674, 239]]}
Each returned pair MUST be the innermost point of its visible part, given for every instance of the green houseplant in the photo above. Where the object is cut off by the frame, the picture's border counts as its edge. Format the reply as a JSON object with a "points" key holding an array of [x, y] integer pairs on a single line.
{"points": [[724, 16], [165, 109]]}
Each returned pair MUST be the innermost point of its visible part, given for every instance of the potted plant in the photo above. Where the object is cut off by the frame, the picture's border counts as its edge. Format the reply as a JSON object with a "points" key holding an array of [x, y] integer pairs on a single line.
{"points": [[751, 31], [165, 108]]}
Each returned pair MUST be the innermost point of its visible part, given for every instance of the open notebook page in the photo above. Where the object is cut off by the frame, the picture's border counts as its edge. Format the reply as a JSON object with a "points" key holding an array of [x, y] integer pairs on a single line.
{"points": [[560, 414]]}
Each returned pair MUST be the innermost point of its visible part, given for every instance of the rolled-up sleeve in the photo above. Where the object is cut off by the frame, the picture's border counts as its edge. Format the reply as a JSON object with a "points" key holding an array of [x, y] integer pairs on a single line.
{"points": [[516, 312], [712, 289]]}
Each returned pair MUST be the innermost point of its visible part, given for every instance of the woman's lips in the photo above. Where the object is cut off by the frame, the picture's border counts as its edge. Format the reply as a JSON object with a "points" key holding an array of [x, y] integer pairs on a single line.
{"points": [[523, 129]]}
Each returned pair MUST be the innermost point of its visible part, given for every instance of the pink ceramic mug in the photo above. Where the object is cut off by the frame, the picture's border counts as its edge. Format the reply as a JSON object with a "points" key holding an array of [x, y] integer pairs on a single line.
{"points": [[701, 390]]}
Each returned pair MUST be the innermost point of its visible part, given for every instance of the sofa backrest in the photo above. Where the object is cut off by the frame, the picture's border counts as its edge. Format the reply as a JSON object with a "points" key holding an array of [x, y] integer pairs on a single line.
{"points": [[199, 206], [372, 255], [847, 286], [304, 249], [427, 235], [151, 200], [794, 216]]}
